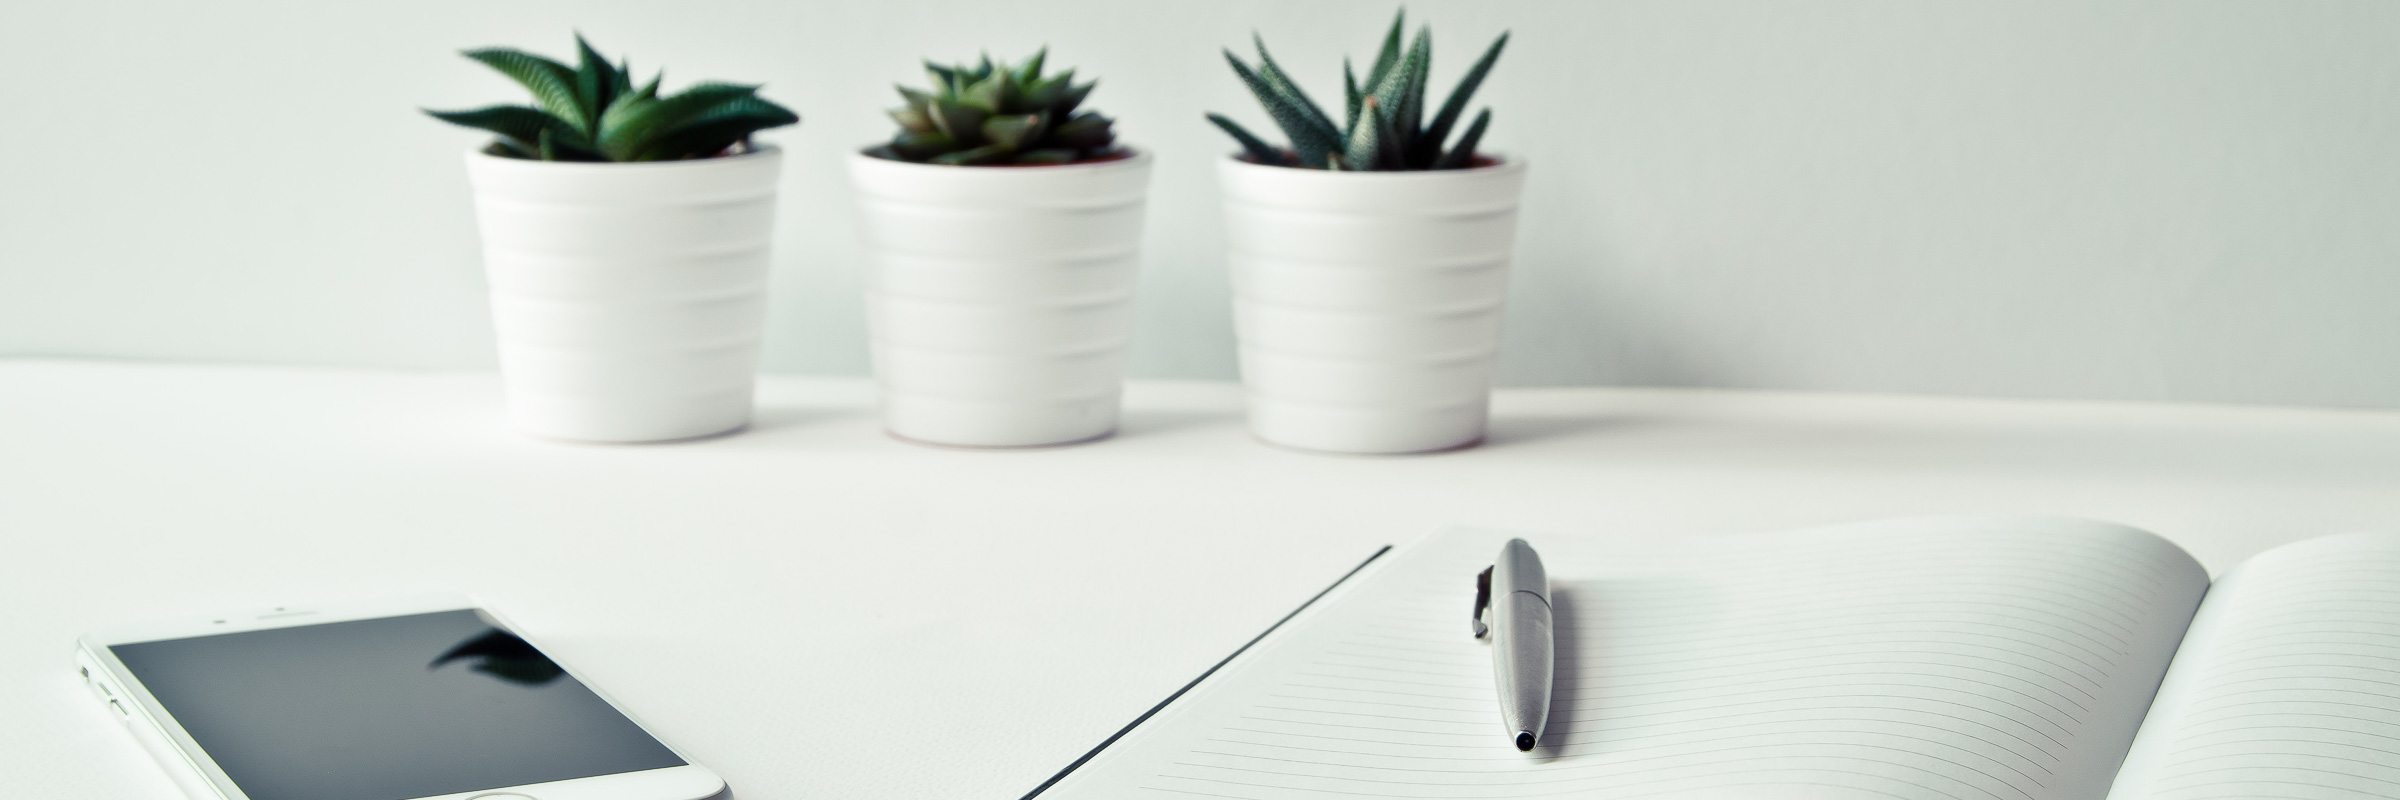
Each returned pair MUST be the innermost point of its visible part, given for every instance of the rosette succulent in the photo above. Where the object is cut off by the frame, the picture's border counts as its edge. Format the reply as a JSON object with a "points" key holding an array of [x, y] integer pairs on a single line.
{"points": [[1383, 123], [595, 112], [989, 114]]}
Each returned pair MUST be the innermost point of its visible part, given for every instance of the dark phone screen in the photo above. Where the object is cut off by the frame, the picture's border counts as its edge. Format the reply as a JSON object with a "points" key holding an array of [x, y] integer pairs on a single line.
{"points": [[386, 709]]}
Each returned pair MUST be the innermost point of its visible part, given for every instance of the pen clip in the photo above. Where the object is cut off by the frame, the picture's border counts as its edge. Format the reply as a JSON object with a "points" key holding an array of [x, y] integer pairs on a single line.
{"points": [[1483, 600]]}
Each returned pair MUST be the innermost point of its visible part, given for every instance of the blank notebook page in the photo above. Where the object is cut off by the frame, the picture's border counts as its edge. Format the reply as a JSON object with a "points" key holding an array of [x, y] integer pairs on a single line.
{"points": [[1947, 658], [2289, 683]]}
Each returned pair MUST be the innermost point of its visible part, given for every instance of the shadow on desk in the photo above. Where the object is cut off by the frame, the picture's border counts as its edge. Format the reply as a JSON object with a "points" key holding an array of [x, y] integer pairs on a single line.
{"points": [[1138, 422], [1503, 431], [1514, 431], [769, 418], [780, 421]]}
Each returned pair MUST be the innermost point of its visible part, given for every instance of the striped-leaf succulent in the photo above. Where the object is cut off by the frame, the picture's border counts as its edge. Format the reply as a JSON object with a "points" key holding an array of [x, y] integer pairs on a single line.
{"points": [[595, 112], [989, 114], [1383, 125]]}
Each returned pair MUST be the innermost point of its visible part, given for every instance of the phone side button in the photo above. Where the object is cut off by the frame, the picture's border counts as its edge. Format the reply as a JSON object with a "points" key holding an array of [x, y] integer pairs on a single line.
{"points": [[119, 708]]}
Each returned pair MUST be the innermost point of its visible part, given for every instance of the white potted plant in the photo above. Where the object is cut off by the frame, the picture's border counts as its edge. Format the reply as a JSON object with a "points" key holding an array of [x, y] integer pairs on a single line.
{"points": [[625, 236], [1369, 261], [1005, 229]]}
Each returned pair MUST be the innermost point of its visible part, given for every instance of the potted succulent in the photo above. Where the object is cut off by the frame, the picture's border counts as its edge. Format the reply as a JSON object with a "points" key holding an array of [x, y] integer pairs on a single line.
{"points": [[1369, 258], [625, 236], [1004, 223]]}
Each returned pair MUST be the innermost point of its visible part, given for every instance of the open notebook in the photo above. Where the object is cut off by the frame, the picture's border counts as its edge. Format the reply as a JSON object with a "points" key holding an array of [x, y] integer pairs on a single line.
{"points": [[1971, 658]]}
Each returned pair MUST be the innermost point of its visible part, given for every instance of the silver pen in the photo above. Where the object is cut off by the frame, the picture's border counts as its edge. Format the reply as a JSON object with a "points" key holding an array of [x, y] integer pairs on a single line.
{"points": [[1516, 592]]}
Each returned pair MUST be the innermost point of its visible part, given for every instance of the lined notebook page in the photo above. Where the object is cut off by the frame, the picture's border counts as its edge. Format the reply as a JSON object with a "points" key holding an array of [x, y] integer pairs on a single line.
{"points": [[1977, 658], [2289, 683]]}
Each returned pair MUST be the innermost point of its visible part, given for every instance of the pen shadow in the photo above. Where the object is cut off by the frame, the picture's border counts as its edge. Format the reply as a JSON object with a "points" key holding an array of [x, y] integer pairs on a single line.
{"points": [[1573, 609]]}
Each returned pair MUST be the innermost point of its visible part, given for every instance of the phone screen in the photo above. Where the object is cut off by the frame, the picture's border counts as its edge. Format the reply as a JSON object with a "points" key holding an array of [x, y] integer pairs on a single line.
{"points": [[386, 709]]}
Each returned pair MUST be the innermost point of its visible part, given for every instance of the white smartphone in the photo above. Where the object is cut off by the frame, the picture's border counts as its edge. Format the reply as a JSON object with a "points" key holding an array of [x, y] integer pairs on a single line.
{"points": [[427, 698]]}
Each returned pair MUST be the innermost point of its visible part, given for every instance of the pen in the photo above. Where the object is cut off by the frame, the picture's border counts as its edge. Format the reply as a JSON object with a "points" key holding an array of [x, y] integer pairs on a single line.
{"points": [[1516, 592]]}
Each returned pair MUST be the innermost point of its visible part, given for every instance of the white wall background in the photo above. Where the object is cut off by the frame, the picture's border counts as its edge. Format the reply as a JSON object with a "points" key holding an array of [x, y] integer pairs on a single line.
{"points": [[2169, 200]]}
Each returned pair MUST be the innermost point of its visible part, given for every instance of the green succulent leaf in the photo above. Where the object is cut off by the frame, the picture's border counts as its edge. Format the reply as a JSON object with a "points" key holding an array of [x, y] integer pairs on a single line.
{"points": [[523, 129], [595, 81], [519, 123], [647, 91], [957, 120], [1071, 98], [1311, 140], [918, 146], [1085, 131], [991, 113], [1388, 149], [1031, 70], [1257, 148], [912, 119], [1046, 92], [997, 93], [628, 132], [719, 128], [916, 100], [1049, 155], [1283, 85], [987, 154], [1350, 98], [1365, 148], [1393, 92], [552, 84], [945, 79], [1463, 155], [1439, 129], [595, 113], [1387, 123], [510, 148], [1016, 131], [1390, 54], [1409, 117]]}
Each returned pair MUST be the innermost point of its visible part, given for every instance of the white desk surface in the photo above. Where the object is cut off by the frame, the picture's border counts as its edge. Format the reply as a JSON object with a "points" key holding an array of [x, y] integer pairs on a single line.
{"points": [[777, 602]]}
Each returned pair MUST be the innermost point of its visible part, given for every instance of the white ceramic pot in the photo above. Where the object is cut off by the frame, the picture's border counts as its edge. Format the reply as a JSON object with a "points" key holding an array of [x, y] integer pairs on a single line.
{"points": [[998, 300], [1368, 303], [628, 298]]}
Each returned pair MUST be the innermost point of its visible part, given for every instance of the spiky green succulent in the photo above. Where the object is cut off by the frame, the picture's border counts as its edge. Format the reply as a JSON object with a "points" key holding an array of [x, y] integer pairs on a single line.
{"points": [[986, 114], [1383, 127], [595, 112]]}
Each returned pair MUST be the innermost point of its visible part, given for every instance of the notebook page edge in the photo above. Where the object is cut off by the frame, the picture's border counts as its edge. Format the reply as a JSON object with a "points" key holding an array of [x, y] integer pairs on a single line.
{"points": [[2179, 690]]}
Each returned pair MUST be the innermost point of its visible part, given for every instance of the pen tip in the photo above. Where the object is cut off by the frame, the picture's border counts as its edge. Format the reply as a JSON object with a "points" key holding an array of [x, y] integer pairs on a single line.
{"points": [[1525, 741]]}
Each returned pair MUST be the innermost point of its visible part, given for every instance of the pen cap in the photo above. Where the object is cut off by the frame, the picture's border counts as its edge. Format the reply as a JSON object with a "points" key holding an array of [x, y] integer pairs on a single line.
{"points": [[1519, 570]]}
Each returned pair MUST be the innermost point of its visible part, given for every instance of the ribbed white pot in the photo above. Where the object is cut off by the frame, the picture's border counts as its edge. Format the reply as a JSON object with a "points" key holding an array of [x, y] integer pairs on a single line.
{"points": [[998, 298], [628, 298], [1368, 304]]}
